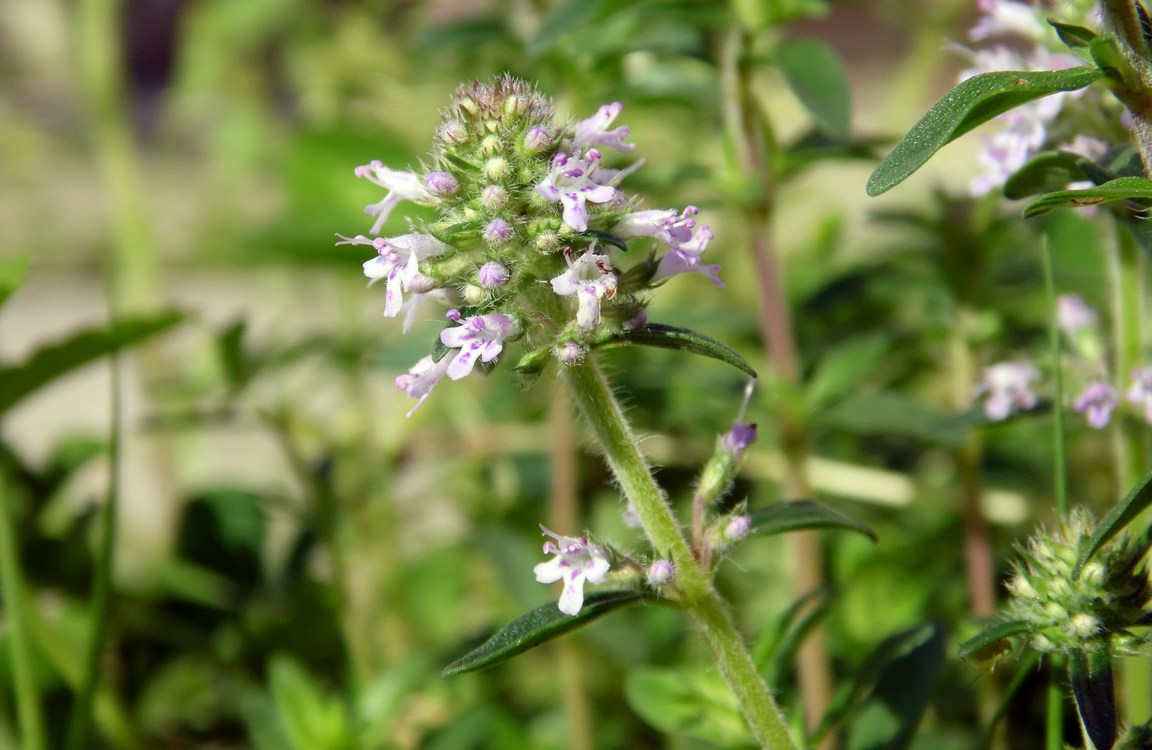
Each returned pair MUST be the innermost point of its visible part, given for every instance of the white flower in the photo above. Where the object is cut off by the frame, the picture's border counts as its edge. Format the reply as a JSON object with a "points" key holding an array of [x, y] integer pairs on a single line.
{"points": [[397, 261], [479, 338], [589, 277], [594, 130], [1008, 389], [400, 186], [1073, 314], [1007, 18], [422, 378], [684, 257], [573, 182], [577, 560], [1140, 392]]}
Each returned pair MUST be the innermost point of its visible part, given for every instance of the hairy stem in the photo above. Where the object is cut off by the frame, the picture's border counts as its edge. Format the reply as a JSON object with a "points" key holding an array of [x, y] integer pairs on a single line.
{"points": [[596, 402]]}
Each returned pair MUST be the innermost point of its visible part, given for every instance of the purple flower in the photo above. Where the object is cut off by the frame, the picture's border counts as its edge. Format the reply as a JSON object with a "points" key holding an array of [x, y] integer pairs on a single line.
{"points": [[1007, 386], [1006, 18], [737, 440], [400, 186], [571, 353], [1073, 314], [685, 258], [422, 378], [1140, 392], [589, 277], [1096, 403], [577, 560], [480, 337], [573, 183], [594, 130], [397, 260]]}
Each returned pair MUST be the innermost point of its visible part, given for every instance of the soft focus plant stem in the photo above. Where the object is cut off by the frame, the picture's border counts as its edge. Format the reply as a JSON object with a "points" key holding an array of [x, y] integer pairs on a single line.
{"points": [[1054, 725], [593, 397], [1059, 459], [1126, 270], [100, 595], [12, 585], [565, 516], [752, 140]]}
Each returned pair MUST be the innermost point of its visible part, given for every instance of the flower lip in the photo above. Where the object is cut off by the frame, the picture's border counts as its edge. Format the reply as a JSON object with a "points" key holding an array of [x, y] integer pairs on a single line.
{"points": [[576, 561]]}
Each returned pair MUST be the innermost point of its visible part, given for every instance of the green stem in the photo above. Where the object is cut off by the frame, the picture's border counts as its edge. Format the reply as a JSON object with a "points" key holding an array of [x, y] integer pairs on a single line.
{"points": [[80, 716], [593, 397], [28, 711], [1060, 468], [1054, 724]]}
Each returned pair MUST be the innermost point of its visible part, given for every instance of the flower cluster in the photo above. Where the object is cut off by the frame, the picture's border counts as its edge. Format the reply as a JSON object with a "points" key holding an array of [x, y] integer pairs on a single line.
{"points": [[1092, 612], [1017, 37], [1006, 387], [527, 213]]}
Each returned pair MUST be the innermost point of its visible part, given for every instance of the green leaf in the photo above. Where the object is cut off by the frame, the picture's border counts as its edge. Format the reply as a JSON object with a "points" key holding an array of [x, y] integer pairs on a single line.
{"points": [[1075, 37], [1108, 58], [802, 514], [12, 271], [842, 367], [887, 413], [972, 103], [562, 19], [312, 719], [979, 645], [1133, 504], [1046, 172], [670, 337], [1095, 694], [52, 361], [815, 74], [695, 703], [539, 626], [775, 651], [1122, 188], [888, 718]]}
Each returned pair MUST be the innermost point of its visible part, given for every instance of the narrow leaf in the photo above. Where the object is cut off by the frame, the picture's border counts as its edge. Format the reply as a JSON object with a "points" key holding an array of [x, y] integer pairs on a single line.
{"points": [[1095, 694], [972, 103], [1076, 37], [802, 514], [843, 367], [978, 646], [1123, 188], [1046, 172], [55, 360], [539, 626], [670, 337], [889, 716], [1133, 504], [815, 74]]}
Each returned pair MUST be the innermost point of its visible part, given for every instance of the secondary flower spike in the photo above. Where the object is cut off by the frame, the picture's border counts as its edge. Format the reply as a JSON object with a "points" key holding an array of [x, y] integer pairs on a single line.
{"points": [[515, 249]]}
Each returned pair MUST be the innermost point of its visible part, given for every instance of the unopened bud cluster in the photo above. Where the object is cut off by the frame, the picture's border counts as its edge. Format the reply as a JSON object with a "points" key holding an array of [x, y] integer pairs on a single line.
{"points": [[528, 214], [1092, 612]]}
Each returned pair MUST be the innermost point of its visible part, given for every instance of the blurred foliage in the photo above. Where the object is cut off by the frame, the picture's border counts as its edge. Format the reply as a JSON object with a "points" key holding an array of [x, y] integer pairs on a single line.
{"points": [[310, 598]]}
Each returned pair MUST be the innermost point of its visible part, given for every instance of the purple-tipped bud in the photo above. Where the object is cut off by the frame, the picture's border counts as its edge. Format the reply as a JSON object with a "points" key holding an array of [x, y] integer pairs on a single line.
{"points": [[637, 321], [1096, 403], [453, 132], [498, 232], [537, 139], [441, 183], [492, 275], [737, 528], [661, 573], [739, 438], [493, 197], [570, 353]]}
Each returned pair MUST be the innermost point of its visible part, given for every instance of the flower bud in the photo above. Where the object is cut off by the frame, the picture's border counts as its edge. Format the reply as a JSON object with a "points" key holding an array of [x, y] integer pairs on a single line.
{"points": [[453, 132], [492, 275], [493, 197], [661, 573], [441, 183], [537, 139], [737, 528], [496, 167], [498, 232]]}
